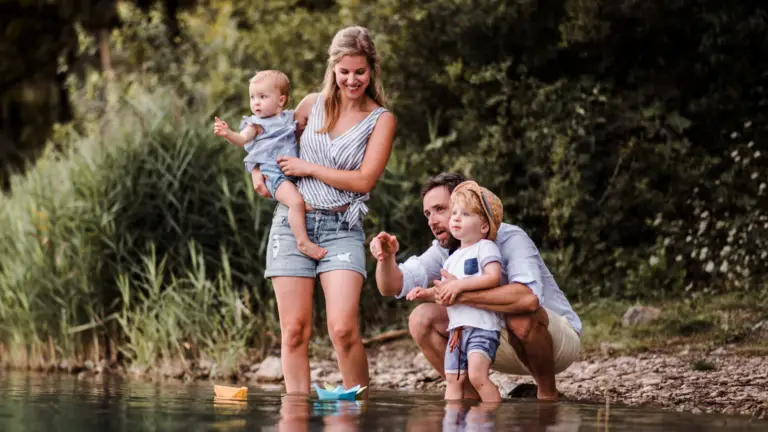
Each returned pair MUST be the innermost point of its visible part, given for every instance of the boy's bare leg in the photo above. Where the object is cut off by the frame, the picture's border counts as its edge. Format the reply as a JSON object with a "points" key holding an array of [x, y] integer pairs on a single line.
{"points": [[288, 194], [479, 367], [454, 388]]}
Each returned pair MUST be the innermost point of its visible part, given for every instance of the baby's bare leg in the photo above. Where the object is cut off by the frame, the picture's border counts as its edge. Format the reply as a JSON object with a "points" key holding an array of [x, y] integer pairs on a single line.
{"points": [[288, 194], [479, 367]]}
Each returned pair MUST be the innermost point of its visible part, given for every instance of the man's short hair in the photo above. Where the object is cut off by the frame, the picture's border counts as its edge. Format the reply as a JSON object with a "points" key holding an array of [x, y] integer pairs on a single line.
{"points": [[447, 179]]}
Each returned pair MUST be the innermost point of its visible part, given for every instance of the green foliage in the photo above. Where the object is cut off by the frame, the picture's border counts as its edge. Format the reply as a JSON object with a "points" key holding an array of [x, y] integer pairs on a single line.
{"points": [[628, 139]]}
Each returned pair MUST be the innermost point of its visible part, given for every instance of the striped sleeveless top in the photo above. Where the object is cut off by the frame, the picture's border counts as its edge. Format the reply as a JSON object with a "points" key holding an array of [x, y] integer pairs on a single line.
{"points": [[345, 152]]}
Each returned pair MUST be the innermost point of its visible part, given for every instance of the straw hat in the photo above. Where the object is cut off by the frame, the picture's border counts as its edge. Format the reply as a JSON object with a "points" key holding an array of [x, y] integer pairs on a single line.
{"points": [[491, 204]]}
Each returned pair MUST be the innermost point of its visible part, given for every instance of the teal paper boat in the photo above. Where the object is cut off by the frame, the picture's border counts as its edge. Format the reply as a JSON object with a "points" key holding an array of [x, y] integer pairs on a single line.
{"points": [[338, 393]]}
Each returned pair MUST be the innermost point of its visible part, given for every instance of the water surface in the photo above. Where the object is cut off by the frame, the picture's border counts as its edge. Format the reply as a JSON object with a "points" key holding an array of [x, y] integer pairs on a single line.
{"points": [[36, 402]]}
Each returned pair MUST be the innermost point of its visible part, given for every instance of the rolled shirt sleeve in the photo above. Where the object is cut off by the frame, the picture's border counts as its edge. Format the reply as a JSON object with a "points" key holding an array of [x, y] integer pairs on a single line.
{"points": [[522, 263], [419, 271]]}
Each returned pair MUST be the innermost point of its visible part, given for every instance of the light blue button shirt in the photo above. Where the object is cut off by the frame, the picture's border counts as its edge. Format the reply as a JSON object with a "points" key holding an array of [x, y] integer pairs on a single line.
{"points": [[521, 263]]}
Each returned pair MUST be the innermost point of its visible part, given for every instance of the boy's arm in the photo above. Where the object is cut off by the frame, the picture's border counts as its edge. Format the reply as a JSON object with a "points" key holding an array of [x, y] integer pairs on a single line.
{"points": [[451, 288], [489, 259], [491, 278]]}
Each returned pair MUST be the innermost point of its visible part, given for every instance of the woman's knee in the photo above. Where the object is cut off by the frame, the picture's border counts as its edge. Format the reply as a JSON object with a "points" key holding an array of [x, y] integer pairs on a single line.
{"points": [[295, 335], [344, 335]]}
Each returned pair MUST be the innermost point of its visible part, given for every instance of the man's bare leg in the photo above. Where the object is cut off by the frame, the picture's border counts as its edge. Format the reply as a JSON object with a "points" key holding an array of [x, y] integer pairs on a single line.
{"points": [[428, 325], [530, 338]]}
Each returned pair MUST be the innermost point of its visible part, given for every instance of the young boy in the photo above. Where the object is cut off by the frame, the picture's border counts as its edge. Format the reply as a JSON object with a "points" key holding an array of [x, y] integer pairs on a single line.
{"points": [[476, 215], [269, 133]]}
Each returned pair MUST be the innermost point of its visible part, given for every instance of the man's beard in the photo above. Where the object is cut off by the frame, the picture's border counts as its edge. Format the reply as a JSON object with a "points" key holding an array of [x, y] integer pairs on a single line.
{"points": [[452, 244]]}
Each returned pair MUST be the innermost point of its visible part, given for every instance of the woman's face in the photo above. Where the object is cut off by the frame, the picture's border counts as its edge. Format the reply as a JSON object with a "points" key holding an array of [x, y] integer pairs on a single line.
{"points": [[353, 74]]}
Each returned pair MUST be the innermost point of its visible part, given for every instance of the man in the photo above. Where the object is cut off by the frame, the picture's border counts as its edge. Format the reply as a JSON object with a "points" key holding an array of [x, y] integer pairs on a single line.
{"points": [[542, 336]]}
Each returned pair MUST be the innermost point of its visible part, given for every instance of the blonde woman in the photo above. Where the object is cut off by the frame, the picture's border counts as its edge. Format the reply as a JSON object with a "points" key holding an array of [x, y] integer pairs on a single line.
{"points": [[346, 140]]}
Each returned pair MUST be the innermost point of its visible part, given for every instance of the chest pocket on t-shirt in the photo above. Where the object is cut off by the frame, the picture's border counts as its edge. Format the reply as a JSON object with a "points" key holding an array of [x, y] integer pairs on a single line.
{"points": [[470, 266]]}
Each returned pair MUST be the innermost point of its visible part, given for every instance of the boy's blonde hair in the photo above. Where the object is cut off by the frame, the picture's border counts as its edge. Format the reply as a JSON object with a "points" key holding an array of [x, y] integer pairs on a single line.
{"points": [[277, 78], [482, 202], [470, 201]]}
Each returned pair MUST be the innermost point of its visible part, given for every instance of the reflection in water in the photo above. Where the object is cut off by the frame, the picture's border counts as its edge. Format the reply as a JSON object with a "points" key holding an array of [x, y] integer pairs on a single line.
{"points": [[65, 403], [474, 416]]}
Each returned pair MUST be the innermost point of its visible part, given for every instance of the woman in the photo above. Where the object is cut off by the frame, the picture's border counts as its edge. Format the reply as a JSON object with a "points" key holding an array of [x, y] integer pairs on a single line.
{"points": [[346, 141]]}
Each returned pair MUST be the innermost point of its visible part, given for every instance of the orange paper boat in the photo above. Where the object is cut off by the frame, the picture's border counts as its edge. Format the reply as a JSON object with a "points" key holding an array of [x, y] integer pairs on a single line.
{"points": [[230, 393]]}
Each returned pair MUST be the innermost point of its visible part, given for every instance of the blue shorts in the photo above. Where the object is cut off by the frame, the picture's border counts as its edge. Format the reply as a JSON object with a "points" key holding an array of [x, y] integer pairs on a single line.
{"points": [[274, 174], [485, 342], [324, 228]]}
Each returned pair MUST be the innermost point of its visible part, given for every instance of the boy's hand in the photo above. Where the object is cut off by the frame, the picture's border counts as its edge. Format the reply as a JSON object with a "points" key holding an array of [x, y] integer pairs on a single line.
{"points": [[220, 128], [384, 246], [448, 292], [420, 293]]}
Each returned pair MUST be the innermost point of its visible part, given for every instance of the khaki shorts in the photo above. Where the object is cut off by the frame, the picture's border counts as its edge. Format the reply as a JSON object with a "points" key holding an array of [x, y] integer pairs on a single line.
{"points": [[565, 343]]}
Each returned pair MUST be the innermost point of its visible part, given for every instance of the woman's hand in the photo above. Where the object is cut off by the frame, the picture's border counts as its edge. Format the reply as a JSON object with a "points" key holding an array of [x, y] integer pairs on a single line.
{"points": [[294, 167]]}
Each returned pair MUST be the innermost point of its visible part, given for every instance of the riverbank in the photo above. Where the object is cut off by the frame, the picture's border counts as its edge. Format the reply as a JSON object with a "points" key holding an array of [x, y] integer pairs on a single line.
{"points": [[699, 381], [701, 357]]}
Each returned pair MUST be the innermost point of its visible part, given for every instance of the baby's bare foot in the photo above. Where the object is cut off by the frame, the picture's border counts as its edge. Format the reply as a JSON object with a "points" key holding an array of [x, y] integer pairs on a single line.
{"points": [[310, 249]]}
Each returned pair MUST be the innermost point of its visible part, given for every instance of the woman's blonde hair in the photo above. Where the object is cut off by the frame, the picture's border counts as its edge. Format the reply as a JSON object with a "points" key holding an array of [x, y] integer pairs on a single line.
{"points": [[351, 41]]}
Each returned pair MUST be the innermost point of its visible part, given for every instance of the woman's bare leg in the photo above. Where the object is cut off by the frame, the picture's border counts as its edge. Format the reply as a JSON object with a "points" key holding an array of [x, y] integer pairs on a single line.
{"points": [[342, 305], [294, 306]]}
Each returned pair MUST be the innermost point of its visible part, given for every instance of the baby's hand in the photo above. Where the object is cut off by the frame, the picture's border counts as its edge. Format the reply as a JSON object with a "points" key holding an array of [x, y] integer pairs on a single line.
{"points": [[220, 127]]}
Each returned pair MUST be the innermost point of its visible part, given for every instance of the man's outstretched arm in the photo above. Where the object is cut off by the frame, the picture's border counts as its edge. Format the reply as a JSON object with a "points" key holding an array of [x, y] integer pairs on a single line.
{"points": [[389, 278], [514, 298], [397, 280]]}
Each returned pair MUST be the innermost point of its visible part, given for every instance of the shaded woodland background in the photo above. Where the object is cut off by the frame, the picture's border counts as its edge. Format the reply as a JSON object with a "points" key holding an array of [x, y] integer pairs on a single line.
{"points": [[628, 138]]}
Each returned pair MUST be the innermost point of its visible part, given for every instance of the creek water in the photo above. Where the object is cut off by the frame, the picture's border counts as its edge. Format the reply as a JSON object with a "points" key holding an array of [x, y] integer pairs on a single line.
{"points": [[57, 402]]}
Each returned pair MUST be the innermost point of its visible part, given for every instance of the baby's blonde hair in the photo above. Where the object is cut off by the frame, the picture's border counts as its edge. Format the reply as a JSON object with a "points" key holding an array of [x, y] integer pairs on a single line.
{"points": [[277, 78]]}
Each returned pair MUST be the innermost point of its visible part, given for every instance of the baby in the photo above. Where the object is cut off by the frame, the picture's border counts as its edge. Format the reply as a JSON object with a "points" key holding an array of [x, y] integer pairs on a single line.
{"points": [[269, 133], [476, 215]]}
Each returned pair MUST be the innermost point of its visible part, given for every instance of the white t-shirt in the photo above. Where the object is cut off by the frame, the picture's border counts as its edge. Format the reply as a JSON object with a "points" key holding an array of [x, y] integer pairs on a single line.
{"points": [[464, 263]]}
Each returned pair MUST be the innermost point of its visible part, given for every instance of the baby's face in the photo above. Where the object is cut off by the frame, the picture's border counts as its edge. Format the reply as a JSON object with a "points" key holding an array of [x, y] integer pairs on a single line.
{"points": [[266, 99]]}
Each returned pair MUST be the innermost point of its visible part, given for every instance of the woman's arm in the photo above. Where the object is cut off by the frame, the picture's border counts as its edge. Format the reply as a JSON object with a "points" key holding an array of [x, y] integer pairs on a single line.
{"points": [[302, 111], [375, 160]]}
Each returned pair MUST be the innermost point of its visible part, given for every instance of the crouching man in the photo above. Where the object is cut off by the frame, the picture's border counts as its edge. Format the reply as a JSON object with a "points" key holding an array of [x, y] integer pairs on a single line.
{"points": [[542, 330]]}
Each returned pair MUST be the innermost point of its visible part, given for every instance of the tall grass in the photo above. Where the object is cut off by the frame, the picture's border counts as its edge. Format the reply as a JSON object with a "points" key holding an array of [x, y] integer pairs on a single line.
{"points": [[145, 236]]}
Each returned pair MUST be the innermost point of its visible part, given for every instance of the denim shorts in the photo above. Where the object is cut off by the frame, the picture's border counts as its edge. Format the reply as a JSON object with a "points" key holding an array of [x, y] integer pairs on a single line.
{"points": [[485, 342], [327, 230], [274, 174]]}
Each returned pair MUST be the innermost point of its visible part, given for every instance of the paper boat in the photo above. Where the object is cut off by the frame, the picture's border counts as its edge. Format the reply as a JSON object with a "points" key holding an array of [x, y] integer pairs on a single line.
{"points": [[338, 393], [230, 393]]}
